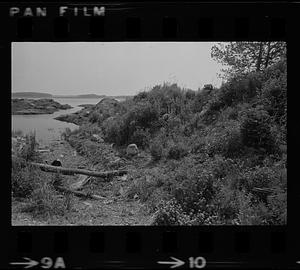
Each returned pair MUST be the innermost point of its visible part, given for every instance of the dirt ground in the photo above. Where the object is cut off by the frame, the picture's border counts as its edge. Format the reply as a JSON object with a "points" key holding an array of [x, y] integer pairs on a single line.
{"points": [[112, 209]]}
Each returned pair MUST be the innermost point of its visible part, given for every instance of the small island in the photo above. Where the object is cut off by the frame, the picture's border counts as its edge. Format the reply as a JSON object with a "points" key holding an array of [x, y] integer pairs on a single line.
{"points": [[36, 106]]}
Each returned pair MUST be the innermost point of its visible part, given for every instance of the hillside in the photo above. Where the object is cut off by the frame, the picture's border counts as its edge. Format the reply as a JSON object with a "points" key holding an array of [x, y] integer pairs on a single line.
{"points": [[217, 156]]}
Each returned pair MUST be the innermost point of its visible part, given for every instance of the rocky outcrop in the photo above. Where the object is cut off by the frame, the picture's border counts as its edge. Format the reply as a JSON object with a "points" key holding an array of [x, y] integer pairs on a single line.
{"points": [[104, 109], [37, 106], [107, 107]]}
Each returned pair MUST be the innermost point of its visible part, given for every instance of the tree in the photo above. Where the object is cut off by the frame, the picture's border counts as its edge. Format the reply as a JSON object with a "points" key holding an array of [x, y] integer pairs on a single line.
{"points": [[244, 57]]}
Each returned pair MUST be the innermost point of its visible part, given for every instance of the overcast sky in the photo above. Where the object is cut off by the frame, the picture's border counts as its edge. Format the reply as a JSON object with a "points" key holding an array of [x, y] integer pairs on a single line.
{"points": [[110, 68]]}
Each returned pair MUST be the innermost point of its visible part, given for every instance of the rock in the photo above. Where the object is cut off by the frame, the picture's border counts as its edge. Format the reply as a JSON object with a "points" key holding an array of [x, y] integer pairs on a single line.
{"points": [[37, 106], [123, 177], [116, 163], [165, 117], [132, 149], [121, 191], [97, 138], [87, 203]]}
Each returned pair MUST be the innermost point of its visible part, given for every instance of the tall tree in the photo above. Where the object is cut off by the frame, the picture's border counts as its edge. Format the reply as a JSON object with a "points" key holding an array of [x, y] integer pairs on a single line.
{"points": [[243, 57]]}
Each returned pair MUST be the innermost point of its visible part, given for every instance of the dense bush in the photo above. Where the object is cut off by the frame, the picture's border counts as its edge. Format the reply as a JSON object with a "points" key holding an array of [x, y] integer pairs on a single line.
{"points": [[240, 89], [274, 94], [177, 150], [95, 117], [224, 139], [170, 213], [140, 137], [255, 129]]}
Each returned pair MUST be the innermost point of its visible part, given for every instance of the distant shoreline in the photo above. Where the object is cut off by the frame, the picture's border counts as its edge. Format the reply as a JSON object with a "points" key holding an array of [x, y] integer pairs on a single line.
{"points": [[28, 95]]}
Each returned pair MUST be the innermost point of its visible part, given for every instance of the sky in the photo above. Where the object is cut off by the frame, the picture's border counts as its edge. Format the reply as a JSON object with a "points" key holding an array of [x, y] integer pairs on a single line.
{"points": [[110, 68]]}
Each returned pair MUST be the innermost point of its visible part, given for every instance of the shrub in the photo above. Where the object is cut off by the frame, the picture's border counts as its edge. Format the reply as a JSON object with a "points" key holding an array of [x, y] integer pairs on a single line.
{"points": [[249, 213], [255, 129], [173, 123], [41, 198], [141, 96], [224, 139], [258, 177], [23, 179], [198, 144], [66, 134], [112, 130], [274, 94], [143, 114], [94, 117], [211, 112], [192, 185], [227, 206], [170, 213], [220, 167], [177, 151], [47, 202], [156, 150], [144, 183], [190, 94], [240, 89], [277, 204], [140, 137], [28, 152]]}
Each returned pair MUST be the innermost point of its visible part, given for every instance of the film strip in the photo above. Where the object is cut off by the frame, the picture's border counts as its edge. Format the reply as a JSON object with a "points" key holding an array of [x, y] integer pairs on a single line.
{"points": [[138, 247]]}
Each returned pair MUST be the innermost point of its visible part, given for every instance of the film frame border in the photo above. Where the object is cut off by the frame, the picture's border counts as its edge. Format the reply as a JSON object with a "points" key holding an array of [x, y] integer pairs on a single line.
{"points": [[134, 22]]}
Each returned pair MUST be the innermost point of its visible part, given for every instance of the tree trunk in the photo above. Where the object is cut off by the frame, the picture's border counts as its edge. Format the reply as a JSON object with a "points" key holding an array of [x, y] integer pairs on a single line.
{"points": [[259, 58], [268, 55]]}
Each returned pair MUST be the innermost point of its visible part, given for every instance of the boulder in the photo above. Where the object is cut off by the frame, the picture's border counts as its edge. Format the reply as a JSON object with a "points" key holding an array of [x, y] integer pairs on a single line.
{"points": [[166, 117], [132, 149], [97, 138]]}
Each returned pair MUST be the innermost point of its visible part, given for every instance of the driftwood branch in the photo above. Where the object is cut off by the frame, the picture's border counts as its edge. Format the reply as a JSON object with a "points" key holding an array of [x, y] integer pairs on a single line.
{"points": [[72, 171], [263, 190]]}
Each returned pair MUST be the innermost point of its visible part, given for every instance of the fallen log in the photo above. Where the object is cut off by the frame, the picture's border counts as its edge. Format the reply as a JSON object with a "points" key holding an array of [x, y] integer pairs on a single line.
{"points": [[79, 193], [263, 190], [72, 171]]}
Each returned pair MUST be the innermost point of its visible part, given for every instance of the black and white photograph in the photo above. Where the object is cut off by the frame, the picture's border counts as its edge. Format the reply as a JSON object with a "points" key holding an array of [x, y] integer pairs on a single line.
{"points": [[148, 133]]}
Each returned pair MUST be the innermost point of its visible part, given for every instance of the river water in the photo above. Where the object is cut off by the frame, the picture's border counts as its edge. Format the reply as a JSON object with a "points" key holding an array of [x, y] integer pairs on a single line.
{"points": [[46, 128]]}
